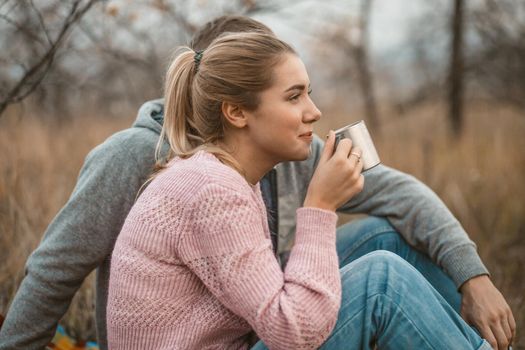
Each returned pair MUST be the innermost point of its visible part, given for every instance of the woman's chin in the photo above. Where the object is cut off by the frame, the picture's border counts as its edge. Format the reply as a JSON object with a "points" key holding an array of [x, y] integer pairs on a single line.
{"points": [[298, 154], [303, 154]]}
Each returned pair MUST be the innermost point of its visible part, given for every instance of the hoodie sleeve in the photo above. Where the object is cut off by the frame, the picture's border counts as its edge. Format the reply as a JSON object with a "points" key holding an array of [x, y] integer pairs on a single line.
{"points": [[77, 241], [421, 218], [418, 214]]}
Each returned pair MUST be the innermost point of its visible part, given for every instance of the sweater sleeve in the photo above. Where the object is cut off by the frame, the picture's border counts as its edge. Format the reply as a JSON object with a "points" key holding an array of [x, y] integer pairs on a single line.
{"points": [[228, 250], [79, 238], [421, 218]]}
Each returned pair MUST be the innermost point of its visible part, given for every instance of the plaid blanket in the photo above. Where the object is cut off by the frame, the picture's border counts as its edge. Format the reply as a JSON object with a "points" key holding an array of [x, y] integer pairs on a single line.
{"points": [[62, 341]]}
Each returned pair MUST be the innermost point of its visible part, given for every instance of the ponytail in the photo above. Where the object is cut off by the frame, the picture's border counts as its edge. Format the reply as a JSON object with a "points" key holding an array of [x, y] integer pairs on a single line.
{"points": [[177, 108], [179, 128], [234, 68]]}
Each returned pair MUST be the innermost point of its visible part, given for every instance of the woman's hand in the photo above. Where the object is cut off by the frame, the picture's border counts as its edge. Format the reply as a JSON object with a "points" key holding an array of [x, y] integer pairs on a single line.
{"points": [[337, 177]]}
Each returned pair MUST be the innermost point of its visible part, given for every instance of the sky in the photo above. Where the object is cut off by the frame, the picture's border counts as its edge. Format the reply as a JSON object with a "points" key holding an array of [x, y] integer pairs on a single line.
{"points": [[390, 23], [390, 28]]}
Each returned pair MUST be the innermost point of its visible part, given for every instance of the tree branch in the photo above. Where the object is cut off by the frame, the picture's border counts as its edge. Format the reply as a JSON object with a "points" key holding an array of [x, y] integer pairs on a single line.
{"points": [[36, 73], [41, 22], [21, 28]]}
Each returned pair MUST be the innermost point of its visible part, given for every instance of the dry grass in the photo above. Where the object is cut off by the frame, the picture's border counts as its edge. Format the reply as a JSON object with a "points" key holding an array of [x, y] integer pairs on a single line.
{"points": [[481, 178], [39, 164]]}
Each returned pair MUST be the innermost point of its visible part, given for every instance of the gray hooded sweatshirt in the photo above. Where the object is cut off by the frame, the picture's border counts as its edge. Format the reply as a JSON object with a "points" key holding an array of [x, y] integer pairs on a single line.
{"points": [[82, 235]]}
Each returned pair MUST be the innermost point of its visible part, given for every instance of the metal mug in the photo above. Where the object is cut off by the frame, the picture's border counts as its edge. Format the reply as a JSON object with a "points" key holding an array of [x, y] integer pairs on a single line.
{"points": [[358, 133]]}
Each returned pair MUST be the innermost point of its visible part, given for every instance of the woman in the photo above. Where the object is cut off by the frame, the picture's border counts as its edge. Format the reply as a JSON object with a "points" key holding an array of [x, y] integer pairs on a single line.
{"points": [[193, 267]]}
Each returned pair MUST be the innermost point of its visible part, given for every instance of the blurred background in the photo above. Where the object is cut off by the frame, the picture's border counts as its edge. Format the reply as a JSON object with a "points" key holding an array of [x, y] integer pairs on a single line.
{"points": [[440, 84]]}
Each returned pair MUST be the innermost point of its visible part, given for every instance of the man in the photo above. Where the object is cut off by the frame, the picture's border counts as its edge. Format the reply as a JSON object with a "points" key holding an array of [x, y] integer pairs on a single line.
{"points": [[82, 235]]}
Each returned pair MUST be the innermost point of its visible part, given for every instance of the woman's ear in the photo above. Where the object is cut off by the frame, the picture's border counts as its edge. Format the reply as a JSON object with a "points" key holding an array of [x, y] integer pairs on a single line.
{"points": [[234, 114]]}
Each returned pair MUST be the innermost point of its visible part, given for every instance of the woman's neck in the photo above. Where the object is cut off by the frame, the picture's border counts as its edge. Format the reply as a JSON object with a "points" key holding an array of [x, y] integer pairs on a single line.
{"points": [[252, 163]]}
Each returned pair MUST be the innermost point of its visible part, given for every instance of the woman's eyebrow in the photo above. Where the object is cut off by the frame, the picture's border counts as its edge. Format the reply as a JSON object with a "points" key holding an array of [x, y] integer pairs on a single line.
{"points": [[297, 87]]}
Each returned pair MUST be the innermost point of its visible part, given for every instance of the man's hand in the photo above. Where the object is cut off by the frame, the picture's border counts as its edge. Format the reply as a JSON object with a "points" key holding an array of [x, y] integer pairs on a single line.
{"points": [[484, 307]]}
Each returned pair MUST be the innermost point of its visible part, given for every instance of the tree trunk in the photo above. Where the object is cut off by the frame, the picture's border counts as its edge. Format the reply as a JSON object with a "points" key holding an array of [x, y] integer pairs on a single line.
{"points": [[361, 58], [456, 70]]}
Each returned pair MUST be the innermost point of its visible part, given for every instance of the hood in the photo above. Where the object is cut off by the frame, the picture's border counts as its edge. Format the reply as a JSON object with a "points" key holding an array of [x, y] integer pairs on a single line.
{"points": [[151, 115]]}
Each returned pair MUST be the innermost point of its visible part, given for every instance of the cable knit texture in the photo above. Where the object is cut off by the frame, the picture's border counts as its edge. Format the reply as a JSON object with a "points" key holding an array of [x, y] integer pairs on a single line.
{"points": [[193, 267]]}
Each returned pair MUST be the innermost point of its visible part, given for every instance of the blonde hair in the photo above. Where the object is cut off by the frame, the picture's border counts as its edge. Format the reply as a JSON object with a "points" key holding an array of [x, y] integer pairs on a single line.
{"points": [[235, 68]]}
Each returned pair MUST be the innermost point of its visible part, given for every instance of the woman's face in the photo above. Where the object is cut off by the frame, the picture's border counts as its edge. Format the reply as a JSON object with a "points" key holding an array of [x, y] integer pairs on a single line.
{"points": [[282, 125]]}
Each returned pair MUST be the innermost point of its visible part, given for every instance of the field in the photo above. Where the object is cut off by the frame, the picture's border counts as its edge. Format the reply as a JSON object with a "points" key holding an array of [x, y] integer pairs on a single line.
{"points": [[480, 177]]}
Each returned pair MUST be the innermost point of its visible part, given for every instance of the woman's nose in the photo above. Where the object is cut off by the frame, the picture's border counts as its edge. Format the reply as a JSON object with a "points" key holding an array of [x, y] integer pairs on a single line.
{"points": [[313, 113]]}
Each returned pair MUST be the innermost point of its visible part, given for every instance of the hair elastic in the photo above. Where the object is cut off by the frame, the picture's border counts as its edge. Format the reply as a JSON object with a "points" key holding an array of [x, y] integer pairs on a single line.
{"points": [[197, 58]]}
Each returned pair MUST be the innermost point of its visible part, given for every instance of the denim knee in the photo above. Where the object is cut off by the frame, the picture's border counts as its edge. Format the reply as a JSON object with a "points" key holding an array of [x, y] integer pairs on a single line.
{"points": [[371, 225], [385, 258], [378, 221], [368, 234], [377, 265], [374, 222]]}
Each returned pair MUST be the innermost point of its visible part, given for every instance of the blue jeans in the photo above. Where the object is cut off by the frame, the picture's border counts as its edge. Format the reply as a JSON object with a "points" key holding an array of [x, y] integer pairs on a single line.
{"points": [[361, 237], [393, 296]]}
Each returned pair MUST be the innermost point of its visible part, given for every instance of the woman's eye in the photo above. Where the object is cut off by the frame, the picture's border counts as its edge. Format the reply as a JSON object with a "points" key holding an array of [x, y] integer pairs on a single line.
{"points": [[297, 96]]}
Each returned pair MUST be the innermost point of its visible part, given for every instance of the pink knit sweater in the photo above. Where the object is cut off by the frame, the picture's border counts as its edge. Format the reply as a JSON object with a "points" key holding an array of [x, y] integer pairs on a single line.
{"points": [[193, 267]]}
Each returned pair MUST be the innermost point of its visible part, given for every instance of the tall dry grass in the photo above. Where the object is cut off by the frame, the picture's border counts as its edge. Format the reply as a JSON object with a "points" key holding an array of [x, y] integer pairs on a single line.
{"points": [[39, 164], [481, 178]]}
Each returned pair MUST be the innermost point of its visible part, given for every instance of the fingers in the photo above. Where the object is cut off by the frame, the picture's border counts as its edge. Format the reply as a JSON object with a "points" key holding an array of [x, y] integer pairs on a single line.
{"points": [[357, 179], [343, 148], [501, 338], [355, 156], [512, 324], [328, 150], [506, 328], [496, 335], [486, 333], [351, 155], [484, 307]]}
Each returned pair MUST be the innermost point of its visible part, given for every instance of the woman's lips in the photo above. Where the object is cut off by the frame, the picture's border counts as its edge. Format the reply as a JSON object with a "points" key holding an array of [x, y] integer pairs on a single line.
{"points": [[307, 136]]}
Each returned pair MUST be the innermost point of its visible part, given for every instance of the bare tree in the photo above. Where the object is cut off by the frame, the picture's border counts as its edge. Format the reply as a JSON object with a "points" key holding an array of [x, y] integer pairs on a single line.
{"points": [[497, 62], [40, 65], [456, 69], [345, 45], [106, 60], [360, 52], [485, 54]]}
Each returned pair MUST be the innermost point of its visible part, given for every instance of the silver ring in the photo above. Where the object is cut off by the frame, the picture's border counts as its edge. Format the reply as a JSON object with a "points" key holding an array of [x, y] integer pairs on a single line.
{"points": [[357, 155]]}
